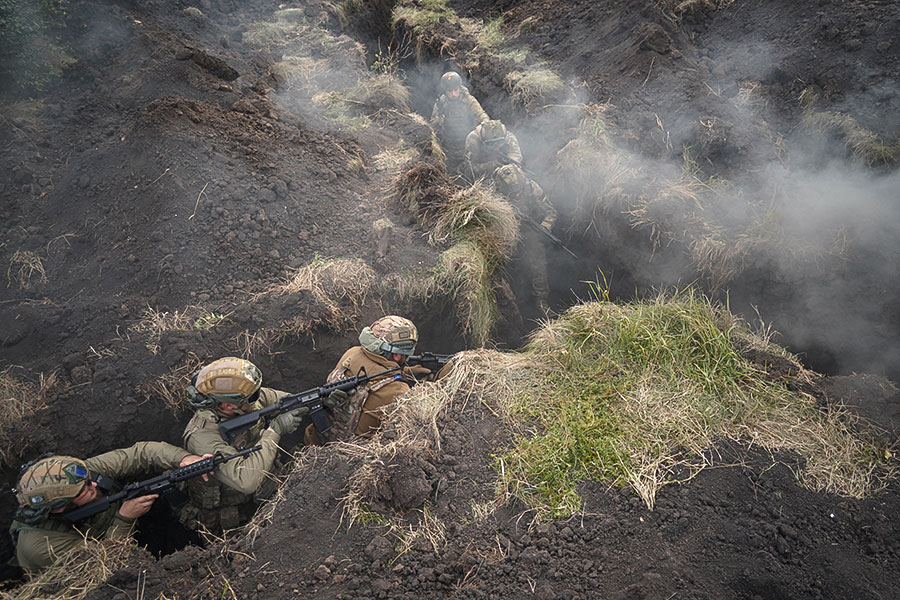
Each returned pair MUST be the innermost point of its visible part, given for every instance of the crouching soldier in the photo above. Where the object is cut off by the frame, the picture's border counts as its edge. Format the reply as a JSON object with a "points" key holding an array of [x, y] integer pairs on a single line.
{"points": [[385, 344], [221, 390], [531, 206], [489, 146], [50, 487]]}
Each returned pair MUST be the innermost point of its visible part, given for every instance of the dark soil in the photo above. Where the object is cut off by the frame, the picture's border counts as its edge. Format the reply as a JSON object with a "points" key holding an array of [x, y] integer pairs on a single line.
{"points": [[166, 170]]}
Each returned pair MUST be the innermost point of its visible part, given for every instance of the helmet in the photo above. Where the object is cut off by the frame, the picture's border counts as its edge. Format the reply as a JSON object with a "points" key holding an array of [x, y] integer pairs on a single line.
{"points": [[450, 81], [509, 179], [228, 379], [50, 483], [390, 335], [492, 131]]}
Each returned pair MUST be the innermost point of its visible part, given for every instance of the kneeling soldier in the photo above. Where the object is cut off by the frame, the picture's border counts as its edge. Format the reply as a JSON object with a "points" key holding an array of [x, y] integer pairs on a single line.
{"points": [[385, 344], [221, 390]]}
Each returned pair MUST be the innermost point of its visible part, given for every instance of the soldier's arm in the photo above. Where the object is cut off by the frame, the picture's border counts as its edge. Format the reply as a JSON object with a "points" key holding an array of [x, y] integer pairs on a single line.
{"points": [[512, 149], [242, 474], [436, 117], [477, 112], [143, 457], [37, 549]]}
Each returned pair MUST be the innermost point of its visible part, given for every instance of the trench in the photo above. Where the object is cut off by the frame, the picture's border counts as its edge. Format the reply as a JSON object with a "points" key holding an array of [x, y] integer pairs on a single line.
{"points": [[621, 257]]}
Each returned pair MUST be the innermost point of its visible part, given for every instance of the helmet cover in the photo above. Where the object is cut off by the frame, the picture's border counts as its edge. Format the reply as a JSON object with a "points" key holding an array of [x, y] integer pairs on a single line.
{"points": [[450, 81], [390, 335], [509, 179], [52, 482], [229, 379], [492, 131]]}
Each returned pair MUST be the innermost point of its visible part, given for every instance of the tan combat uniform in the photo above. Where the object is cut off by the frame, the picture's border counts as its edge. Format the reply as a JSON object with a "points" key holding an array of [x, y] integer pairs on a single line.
{"points": [[227, 499], [452, 120], [39, 545], [483, 158], [531, 203], [366, 404]]}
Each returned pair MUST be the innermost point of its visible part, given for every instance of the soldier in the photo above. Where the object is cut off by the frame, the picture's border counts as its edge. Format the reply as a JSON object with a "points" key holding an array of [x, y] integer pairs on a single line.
{"points": [[489, 146], [50, 486], [384, 344], [223, 389], [454, 115], [531, 205]]}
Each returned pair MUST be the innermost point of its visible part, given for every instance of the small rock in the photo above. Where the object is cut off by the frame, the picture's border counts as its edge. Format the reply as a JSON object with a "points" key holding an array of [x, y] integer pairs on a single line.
{"points": [[322, 573]]}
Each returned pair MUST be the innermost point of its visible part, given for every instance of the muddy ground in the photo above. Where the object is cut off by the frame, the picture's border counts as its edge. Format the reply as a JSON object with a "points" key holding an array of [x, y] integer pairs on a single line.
{"points": [[169, 168]]}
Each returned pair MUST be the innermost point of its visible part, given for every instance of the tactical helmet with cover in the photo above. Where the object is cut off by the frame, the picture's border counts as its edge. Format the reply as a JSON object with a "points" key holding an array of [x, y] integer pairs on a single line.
{"points": [[450, 81], [390, 335], [228, 379], [492, 131], [49, 483], [509, 179]]}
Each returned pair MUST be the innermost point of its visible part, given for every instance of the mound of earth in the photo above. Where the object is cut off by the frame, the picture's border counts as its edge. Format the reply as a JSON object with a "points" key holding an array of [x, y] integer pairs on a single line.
{"points": [[181, 167]]}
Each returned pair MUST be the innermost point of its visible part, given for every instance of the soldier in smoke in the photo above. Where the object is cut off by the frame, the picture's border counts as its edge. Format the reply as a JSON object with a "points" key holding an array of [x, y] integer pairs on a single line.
{"points": [[490, 146], [532, 205], [455, 114]]}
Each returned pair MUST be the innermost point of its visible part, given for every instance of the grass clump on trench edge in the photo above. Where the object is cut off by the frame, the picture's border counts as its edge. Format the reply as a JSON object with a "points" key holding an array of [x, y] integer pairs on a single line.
{"points": [[482, 231], [19, 399], [637, 392], [419, 14], [635, 395], [339, 286], [77, 573]]}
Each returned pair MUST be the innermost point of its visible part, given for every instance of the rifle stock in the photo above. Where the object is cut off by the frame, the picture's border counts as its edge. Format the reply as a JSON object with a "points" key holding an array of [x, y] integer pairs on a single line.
{"points": [[163, 485], [311, 399]]}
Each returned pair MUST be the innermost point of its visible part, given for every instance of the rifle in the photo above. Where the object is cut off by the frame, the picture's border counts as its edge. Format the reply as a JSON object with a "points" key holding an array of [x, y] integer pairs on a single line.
{"points": [[162, 484], [553, 238], [432, 362], [311, 399]]}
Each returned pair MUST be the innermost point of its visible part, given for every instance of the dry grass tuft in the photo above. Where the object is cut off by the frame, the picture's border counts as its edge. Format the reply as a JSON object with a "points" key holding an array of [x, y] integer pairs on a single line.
{"points": [[19, 400], [297, 72], [862, 142], [414, 430], [425, 190], [76, 574], [341, 285], [384, 91], [479, 215], [23, 265], [155, 323], [528, 88], [170, 388]]}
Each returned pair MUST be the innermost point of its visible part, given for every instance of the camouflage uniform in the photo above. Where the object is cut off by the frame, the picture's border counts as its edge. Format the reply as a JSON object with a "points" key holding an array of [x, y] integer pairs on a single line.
{"points": [[40, 544], [484, 158], [230, 497], [530, 203], [453, 119], [359, 414]]}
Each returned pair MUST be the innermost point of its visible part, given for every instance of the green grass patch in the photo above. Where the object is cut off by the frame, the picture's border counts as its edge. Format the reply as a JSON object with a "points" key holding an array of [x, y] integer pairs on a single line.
{"points": [[636, 393], [338, 109], [490, 35], [527, 87], [32, 54], [419, 14]]}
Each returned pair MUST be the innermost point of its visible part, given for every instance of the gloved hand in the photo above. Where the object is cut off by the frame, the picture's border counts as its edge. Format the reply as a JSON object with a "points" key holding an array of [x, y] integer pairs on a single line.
{"points": [[288, 422], [547, 225], [336, 400]]}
